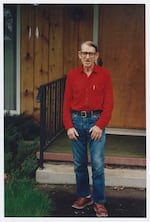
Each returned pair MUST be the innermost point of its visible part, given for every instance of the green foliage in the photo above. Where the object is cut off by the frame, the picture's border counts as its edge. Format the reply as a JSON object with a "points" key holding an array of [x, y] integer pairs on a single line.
{"points": [[29, 166], [19, 154], [11, 138], [8, 163], [20, 163], [26, 125], [21, 199]]}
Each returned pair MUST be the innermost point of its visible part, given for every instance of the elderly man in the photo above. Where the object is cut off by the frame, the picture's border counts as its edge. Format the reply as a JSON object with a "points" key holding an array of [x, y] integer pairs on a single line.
{"points": [[88, 105]]}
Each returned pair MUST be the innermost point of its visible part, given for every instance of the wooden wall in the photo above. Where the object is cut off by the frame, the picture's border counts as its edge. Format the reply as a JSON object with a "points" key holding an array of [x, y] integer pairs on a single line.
{"points": [[50, 39], [52, 52], [122, 49], [27, 60]]}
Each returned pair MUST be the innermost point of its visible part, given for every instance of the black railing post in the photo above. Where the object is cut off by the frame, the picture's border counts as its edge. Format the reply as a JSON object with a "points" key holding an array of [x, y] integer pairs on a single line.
{"points": [[51, 102], [42, 125]]}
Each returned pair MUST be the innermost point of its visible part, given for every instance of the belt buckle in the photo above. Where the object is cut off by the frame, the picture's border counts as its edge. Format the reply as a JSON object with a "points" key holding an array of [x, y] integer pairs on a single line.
{"points": [[84, 114]]}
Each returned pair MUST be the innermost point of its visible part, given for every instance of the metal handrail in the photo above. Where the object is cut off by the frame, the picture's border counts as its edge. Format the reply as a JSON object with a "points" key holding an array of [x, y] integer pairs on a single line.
{"points": [[50, 96]]}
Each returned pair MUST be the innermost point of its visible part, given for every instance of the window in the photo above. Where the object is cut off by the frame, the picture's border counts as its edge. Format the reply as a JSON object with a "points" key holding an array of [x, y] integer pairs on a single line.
{"points": [[10, 58]]}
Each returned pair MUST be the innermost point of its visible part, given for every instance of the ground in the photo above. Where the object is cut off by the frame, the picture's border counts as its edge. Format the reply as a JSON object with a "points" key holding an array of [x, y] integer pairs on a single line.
{"points": [[121, 201]]}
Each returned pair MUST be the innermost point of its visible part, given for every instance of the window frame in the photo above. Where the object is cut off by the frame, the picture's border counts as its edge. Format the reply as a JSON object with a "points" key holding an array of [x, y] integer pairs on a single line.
{"points": [[17, 110]]}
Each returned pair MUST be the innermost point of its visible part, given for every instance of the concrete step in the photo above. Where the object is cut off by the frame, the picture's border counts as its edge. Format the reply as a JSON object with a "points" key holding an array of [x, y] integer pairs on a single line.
{"points": [[60, 173]]}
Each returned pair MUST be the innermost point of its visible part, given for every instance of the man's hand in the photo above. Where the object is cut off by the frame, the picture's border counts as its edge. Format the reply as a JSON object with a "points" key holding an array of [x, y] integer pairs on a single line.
{"points": [[96, 133], [72, 134]]}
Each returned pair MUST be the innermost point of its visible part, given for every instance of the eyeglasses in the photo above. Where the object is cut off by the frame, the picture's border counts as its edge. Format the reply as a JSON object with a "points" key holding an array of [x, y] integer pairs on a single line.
{"points": [[91, 54]]}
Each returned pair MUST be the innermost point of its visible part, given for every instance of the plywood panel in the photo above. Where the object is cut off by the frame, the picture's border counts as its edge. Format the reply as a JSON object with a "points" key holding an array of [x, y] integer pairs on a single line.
{"points": [[78, 27], [86, 26], [70, 41], [27, 59], [52, 49], [41, 54], [122, 51], [56, 42]]}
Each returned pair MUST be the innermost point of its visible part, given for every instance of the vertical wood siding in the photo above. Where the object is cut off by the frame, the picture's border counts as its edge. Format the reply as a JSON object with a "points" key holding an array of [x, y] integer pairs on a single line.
{"points": [[56, 39], [75, 32], [27, 60], [41, 51], [51, 51], [123, 53]]}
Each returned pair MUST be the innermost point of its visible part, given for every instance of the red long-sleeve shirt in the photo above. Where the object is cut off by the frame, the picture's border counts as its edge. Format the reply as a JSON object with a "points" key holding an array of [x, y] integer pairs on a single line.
{"points": [[83, 93]]}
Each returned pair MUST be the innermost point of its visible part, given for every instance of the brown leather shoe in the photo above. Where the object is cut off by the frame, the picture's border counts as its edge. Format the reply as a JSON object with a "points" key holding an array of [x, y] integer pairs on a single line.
{"points": [[100, 210], [82, 202]]}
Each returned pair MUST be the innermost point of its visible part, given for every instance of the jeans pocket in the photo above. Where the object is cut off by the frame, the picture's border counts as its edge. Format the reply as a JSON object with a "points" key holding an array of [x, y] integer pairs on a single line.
{"points": [[94, 118], [74, 116]]}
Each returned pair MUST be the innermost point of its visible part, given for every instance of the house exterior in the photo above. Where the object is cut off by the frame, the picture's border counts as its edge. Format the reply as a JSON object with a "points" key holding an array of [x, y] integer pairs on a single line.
{"points": [[41, 44]]}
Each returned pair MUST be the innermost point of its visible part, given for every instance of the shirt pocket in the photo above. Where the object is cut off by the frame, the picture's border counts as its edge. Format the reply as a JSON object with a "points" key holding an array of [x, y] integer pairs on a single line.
{"points": [[78, 90]]}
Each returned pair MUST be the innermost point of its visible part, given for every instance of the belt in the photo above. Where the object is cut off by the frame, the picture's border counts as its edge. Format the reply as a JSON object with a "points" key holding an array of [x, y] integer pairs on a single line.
{"points": [[87, 113]]}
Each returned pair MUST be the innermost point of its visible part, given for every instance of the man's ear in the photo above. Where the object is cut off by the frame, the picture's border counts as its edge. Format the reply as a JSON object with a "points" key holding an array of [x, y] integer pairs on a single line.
{"points": [[97, 55]]}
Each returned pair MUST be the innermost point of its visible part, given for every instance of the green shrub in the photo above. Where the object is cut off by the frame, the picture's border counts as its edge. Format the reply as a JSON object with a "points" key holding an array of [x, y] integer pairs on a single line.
{"points": [[22, 200], [26, 125], [20, 155]]}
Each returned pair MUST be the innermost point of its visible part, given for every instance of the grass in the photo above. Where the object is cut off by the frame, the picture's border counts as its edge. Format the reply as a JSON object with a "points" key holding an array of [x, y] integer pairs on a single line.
{"points": [[21, 200], [116, 145]]}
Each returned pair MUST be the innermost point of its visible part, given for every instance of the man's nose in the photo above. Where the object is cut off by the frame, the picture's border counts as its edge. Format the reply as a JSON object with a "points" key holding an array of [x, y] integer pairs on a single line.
{"points": [[87, 55]]}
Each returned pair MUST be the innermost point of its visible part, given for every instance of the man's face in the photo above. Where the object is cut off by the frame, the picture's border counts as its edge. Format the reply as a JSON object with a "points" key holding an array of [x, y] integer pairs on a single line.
{"points": [[88, 56]]}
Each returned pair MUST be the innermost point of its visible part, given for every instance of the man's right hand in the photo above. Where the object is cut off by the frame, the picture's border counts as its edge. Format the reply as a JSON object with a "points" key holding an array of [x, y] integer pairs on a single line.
{"points": [[72, 134]]}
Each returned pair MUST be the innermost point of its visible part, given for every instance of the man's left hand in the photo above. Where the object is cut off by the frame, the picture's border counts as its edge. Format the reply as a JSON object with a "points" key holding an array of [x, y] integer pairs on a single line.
{"points": [[96, 133]]}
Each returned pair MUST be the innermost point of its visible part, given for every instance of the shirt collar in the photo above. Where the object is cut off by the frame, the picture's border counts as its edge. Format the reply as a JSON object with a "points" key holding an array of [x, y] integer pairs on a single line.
{"points": [[94, 69]]}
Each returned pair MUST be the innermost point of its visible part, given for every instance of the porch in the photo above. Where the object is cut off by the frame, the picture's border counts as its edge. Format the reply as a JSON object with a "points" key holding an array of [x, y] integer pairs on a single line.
{"points": [[128, 149], [123, 146], [125, 162]]}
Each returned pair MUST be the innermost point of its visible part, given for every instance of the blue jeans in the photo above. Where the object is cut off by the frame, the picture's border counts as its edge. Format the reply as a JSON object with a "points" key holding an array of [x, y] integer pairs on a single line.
{"points": [[80, 156]]}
